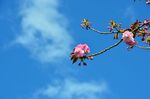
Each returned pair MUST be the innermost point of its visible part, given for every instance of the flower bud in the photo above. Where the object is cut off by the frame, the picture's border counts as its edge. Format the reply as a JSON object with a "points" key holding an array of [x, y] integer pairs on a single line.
{"points": [[85, 24], [148, 40], [116, 36]]}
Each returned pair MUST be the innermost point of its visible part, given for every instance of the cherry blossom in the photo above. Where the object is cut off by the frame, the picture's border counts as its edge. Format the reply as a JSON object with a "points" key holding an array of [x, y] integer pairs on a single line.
{"points": [[128, 38], [79, 52]]}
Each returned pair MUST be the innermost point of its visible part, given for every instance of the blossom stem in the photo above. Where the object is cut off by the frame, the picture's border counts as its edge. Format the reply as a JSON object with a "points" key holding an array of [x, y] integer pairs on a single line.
{"points": [[106, 49], [97, 31], [143, 47], [134, 30]]}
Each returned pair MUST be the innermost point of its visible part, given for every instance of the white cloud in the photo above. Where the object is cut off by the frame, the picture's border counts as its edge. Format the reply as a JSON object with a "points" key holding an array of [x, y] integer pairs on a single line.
{"points": [[45, 32], [72, 89]]}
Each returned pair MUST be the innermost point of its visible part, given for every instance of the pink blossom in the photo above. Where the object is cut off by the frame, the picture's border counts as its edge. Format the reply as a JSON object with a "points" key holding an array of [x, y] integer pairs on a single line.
{"points": [[146, 22], [128, 38], [146, 31], [80, 50], [148, 2]]}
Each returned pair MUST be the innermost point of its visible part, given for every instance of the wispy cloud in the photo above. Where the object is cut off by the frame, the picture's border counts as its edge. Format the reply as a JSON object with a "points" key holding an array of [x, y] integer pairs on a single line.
{"points": [[130, 13], [72, 89], [45, 30]]}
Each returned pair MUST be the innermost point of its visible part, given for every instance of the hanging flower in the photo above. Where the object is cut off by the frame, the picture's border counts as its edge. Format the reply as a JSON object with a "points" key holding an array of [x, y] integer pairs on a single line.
{"points": [[128, 38], [79, 52]]}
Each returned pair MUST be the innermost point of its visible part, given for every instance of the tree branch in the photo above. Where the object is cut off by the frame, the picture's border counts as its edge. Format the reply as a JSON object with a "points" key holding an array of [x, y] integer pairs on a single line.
{"points": [[108, 48], [143, 47], [97, 31]]}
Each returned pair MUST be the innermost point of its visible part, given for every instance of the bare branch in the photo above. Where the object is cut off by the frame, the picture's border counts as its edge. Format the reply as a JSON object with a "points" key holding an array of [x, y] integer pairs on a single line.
{"points": [[106, 49], [97, 31], [143, 47]]}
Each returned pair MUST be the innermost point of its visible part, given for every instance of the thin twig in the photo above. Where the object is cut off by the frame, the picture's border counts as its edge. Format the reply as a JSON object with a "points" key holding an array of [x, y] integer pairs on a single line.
{"points": [[116, 44], [97, 31], [134, 30], [143, 47], [106, 49]]}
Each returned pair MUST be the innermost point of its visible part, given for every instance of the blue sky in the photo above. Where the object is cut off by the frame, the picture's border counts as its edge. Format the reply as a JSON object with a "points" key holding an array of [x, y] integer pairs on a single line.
{"points": [[37, 37]]}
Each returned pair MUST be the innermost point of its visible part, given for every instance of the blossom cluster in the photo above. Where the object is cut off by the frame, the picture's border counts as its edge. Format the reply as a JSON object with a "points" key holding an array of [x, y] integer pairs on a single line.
{"points": [[129, 35], [138, 29], [80, 52], [128, 38]]}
